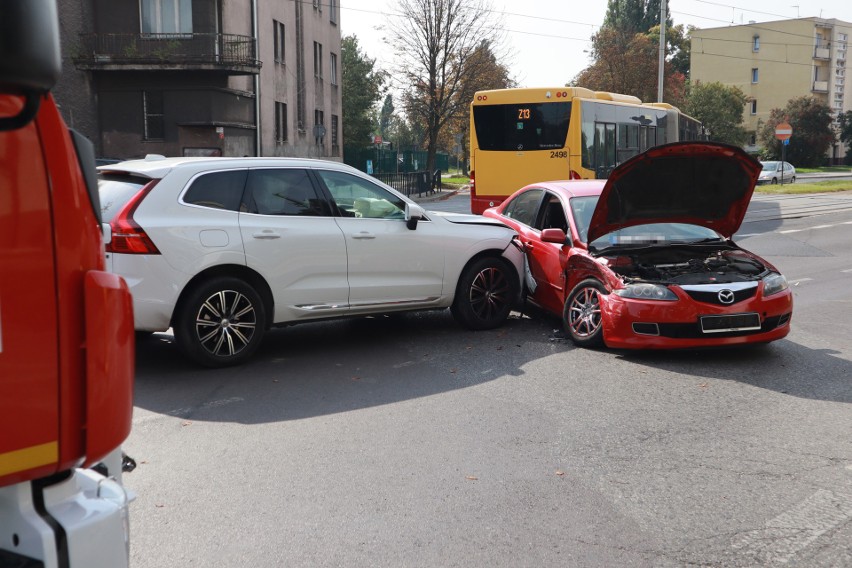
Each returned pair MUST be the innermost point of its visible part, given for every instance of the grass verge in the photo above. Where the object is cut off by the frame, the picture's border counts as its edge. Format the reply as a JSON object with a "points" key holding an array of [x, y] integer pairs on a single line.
{"points": [[797, 188]]}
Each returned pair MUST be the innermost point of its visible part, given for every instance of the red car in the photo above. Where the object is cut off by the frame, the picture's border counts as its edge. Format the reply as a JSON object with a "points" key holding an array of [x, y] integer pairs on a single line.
{"points": [[645, 258]]}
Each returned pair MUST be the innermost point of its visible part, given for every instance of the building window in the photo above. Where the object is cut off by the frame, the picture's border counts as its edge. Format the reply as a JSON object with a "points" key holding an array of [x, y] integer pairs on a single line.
{"points": [[754, 106], [752, 140], [166, 16], [319, 126], [333, 70], [755, 46], [332, 8], [279, 41], [754, 75], [318, 60], [152, 110], [280, 122]]}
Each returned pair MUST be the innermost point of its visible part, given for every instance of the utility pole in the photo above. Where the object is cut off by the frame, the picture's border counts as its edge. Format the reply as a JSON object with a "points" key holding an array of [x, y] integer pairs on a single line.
{"points": [[661, 72]]}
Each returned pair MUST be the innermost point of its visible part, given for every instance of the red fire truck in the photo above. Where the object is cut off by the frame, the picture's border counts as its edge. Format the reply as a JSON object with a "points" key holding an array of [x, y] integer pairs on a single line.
{"points": [[66, 325]]}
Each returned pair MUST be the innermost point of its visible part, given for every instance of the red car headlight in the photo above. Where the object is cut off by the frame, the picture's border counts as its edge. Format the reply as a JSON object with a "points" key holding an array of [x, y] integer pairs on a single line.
{"points": [[774, 283], [646, 291]]}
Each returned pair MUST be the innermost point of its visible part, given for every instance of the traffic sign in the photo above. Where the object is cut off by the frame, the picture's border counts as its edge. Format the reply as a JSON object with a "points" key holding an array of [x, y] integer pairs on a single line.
{"points": [[783, 131]]}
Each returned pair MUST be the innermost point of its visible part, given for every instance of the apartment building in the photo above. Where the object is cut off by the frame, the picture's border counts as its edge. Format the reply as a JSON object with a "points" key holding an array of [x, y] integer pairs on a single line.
{"points": [[203, 77], [773, 62]]}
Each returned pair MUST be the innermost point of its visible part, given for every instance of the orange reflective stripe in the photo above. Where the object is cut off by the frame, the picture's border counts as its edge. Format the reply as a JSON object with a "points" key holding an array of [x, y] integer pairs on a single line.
{"points": [[29, 458]]}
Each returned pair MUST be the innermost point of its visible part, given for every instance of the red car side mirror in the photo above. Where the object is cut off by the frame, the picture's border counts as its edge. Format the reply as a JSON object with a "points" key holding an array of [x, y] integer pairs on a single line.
{"points": [[557, 236]]}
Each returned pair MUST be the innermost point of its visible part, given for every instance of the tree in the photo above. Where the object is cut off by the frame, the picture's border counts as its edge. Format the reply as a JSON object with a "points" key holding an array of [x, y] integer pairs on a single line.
{"points": [[362, 89], [627, 63], [626, 54], [678, 45], [635, 16], [490, 74], [386, 116], [435, 42], [720, 110], [812, 134], [846, 134]]}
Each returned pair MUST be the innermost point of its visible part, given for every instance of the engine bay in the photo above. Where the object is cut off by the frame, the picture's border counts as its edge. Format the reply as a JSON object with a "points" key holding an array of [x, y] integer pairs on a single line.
{"points": [[687, 265]]}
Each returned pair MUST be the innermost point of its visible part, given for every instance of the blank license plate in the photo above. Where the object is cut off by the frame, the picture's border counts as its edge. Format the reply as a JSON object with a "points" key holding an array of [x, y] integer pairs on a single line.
{"points": [[736, 322]]}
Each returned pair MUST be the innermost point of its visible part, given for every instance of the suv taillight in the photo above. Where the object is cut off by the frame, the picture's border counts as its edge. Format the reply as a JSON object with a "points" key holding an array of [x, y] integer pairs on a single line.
{"points": [[127, 236]]}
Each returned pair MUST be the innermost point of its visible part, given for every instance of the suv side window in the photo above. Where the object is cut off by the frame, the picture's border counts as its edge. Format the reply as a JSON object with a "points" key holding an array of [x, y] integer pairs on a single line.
{"points": [[219, 190], [283, 192], [357, 197]]}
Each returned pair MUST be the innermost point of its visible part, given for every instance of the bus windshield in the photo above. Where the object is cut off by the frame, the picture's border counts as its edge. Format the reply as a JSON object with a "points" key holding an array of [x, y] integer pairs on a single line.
{"points": [[529, 126]]}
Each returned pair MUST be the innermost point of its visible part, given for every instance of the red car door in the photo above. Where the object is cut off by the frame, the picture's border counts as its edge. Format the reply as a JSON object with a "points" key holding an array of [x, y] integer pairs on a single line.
{"points": [[545, 259]]}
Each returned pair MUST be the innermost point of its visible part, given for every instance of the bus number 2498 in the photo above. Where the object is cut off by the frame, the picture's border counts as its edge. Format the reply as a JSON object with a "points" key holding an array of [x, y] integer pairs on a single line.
{"points": [[559, 154]]}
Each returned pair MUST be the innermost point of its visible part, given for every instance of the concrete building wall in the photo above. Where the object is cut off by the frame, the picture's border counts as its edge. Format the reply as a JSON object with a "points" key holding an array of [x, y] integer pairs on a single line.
{"points": [[206, 108], [773, 62], [281, 79]]}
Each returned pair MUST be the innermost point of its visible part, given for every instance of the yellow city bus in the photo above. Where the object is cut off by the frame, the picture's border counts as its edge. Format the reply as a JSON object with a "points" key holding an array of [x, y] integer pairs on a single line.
{"points": [[521, 136]]}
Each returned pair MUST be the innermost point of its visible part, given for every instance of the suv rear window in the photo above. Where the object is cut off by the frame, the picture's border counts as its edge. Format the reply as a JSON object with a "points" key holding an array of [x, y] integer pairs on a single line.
{"points": [[115, 191], [219, 190]]}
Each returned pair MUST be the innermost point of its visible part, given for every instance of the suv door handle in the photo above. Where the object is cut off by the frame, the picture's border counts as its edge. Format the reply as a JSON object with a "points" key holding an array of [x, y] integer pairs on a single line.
{"points": [[267, 234], [364, 235]]}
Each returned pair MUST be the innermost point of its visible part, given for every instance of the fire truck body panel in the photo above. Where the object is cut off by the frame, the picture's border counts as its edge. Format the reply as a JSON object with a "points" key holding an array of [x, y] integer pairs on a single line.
{"points": [[66, 325]]}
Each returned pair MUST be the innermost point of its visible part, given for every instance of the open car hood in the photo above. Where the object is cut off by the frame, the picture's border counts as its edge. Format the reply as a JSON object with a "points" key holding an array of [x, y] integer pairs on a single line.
{"points": [[701, 183]]}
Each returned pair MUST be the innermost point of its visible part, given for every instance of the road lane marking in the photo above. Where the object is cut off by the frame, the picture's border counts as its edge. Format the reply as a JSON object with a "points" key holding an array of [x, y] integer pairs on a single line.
{"points": [[792, 531], [847, 270], [799, 280], [789, 231]]}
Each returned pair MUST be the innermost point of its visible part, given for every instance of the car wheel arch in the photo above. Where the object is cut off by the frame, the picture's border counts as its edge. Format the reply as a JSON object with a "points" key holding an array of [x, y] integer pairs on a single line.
{"points": [[487, 290], [585, 336], [244, 273], [489, 253]]}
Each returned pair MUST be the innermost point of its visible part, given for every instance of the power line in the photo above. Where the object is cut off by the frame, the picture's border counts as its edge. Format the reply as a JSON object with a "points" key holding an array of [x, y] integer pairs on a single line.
{"points": [[740, 8]]}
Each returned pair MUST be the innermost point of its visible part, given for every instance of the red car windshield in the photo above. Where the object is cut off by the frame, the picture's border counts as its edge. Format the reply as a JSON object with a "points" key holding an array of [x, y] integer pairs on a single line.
{"points": [[637, 235]]}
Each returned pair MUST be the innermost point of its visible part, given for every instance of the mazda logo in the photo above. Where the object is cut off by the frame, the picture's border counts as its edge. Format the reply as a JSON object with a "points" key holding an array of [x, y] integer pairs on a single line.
{"points": [[726, 296]]}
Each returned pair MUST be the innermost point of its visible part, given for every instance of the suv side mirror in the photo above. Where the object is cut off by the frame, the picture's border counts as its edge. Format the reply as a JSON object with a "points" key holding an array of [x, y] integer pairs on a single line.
{"points": [[413, 213]]}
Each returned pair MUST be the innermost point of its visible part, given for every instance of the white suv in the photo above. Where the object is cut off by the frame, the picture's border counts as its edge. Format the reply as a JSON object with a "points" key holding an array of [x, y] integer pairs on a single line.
{"points": [[220, 249]]}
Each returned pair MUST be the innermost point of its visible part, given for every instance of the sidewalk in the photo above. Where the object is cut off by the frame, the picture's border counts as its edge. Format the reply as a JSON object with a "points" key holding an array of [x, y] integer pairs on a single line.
{"points": [[439, 195]]}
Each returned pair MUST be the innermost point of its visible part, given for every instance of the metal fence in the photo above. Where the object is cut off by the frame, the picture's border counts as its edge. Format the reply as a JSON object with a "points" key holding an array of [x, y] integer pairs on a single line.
{"points": [[377, 160], [412, 183]]}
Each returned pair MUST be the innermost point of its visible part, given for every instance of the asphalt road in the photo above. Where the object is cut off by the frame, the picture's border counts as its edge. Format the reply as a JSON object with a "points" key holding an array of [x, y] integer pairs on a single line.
{"points": [[407, 441]]}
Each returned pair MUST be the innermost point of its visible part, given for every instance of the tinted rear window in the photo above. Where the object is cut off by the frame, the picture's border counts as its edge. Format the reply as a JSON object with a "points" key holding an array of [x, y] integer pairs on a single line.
{"points": [[219, 190], [539, 126], [115, 191]]}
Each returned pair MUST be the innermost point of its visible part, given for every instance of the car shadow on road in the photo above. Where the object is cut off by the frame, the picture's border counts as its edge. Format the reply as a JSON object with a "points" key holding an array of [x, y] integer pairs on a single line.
{"points": [[322, 368], [325, 368], [783, 366]]}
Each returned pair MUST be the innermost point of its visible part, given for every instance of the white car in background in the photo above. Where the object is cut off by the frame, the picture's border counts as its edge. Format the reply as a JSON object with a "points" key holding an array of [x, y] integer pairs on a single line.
{"points": [[220, 249], [777, 172]]}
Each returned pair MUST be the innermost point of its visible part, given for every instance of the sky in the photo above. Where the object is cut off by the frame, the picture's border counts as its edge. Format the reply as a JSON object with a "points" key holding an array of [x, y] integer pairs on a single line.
{"points": [[548, 39]]}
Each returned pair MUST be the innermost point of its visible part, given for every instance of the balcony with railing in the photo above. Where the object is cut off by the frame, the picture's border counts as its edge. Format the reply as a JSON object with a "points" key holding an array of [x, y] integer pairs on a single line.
{"points": [[224, 53], [822, 52]]}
